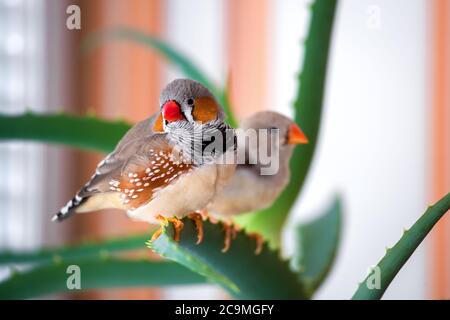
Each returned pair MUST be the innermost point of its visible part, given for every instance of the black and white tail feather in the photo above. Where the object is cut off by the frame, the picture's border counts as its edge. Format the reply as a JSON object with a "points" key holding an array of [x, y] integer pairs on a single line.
{"points": [[80, 198], [69, 208]]}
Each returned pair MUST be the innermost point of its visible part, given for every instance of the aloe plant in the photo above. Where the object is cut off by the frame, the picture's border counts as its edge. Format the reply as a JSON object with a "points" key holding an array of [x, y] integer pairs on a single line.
{"points": [[226, 268], [85, 250], [95, 274], [397, 256], [317, 243], [240, 271]]}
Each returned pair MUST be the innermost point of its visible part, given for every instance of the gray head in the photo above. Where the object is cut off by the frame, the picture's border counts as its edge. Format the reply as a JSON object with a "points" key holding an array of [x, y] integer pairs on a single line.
{"points": [[270, 157], [188, 100], [289, 132], [192, 118]]}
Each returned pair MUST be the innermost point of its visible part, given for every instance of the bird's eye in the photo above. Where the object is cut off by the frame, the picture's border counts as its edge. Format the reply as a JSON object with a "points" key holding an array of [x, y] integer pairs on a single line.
{"points": [[190, 101]]}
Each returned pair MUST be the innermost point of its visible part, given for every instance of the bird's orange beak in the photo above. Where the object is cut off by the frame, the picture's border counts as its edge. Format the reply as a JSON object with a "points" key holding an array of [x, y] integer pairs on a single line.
{"points": [[296, 135]]}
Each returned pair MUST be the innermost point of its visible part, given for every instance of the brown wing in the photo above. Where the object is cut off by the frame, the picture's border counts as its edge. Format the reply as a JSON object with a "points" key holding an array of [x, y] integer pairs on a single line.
{"points": [[133, 151], [155, 167], [114, 162]]}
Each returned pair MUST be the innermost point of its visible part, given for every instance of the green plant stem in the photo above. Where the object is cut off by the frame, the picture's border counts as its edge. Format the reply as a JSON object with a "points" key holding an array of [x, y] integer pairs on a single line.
{"points": [[98, 274], [396, 257], [76, 252], [86, 132]]}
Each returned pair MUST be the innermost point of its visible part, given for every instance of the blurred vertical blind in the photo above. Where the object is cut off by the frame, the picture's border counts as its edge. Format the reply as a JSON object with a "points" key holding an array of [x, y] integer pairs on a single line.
{"points": [[21, 81], [119, 79]]}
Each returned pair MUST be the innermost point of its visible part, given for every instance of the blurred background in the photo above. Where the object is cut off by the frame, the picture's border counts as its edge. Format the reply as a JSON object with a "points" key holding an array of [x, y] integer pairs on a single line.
{"points": [[384, 142]]}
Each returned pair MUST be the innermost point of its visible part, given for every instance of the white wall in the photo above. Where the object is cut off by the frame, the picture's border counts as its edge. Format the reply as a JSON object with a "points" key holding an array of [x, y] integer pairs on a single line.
{"points": [[196, 28], [372, 142]]}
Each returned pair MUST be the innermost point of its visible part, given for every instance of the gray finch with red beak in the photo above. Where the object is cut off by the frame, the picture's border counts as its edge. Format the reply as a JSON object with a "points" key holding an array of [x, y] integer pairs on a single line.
{"points": [[153, 173]]}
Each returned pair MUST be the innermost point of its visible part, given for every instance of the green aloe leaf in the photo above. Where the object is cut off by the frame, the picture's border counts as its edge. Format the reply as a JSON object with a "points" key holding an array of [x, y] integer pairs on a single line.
{"points": [[240, 271], [95, 274], [86, 132], [317, 242], [394, 259], [82, 251], [308, 111], [167, 51]]}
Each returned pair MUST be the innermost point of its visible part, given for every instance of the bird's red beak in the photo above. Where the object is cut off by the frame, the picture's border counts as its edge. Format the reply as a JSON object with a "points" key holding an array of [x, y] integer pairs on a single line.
{"points": [[296, 135], [172, 111]]}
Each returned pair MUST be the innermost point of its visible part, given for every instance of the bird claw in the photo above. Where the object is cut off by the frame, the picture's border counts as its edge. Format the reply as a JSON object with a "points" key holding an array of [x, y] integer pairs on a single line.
{"points": [[229, 228], [156, 234], [230, 234], [198, 220], [177, 225], [163, 220], [204, 214], [259, 242]]}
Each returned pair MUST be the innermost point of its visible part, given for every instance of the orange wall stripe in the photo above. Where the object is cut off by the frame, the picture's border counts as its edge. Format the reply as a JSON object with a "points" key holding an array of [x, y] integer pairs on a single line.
{"points": [[440, 251], [247, 27], [119, 80]]}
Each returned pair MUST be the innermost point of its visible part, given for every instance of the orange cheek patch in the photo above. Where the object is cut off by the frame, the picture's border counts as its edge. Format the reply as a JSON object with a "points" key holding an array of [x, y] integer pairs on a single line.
{"points": [[158, 126], [205, 109]]}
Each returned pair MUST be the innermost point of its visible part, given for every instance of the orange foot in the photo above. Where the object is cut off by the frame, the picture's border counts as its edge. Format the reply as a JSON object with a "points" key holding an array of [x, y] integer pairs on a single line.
{"points": [[177, 225], [206, 216], [198, 220], [230, 234], [157, 234], [259, 242]]}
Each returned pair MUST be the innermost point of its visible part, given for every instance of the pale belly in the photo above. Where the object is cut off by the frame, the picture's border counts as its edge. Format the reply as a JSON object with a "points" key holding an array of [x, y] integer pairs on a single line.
{"points": [[244, 193], [190, 193]]}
